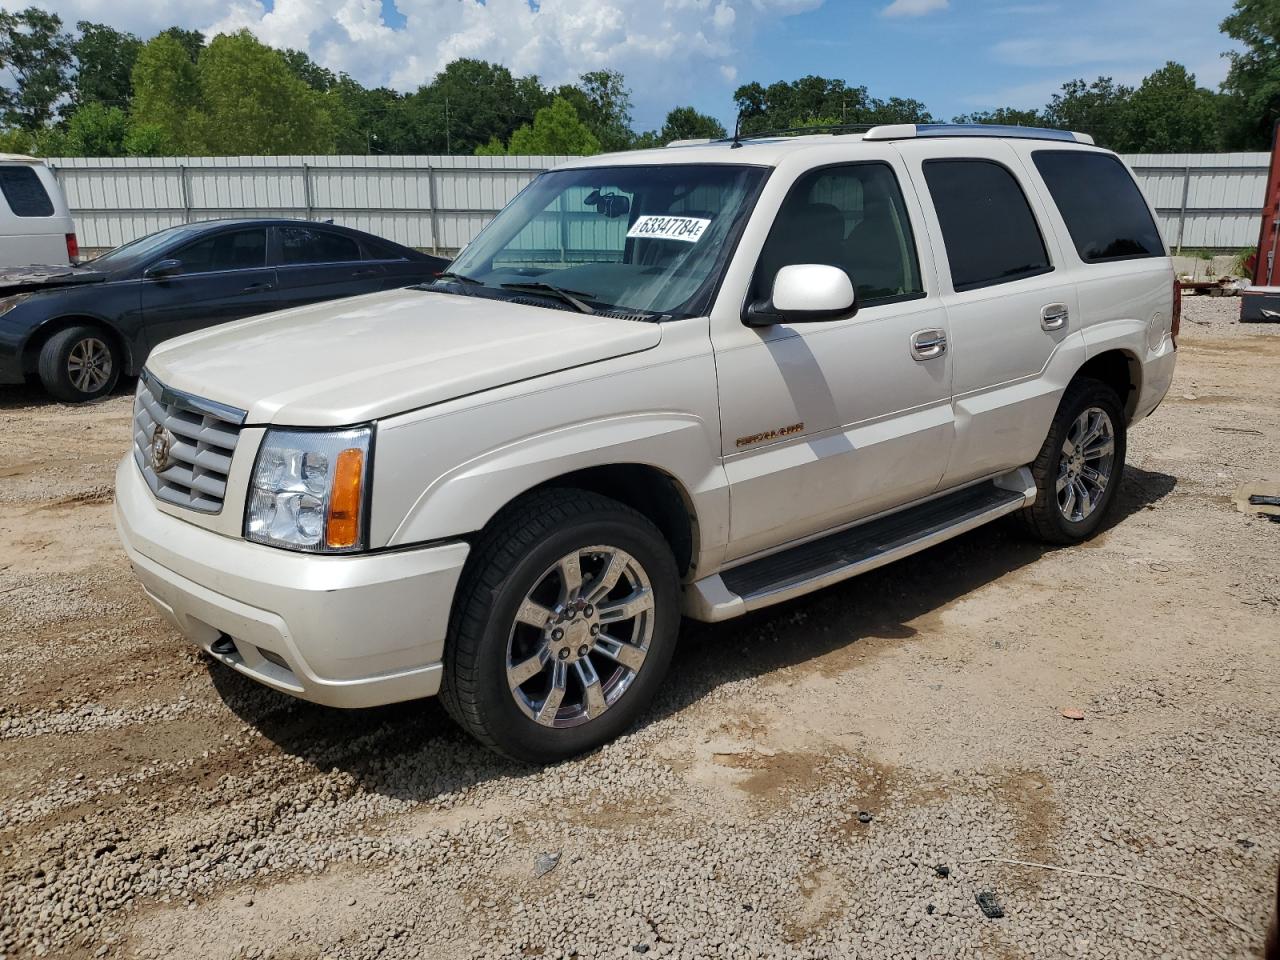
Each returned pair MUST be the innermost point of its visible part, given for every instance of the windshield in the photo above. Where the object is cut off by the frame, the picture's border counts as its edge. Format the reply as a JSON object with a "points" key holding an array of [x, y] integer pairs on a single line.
{"points": [[641, 239], [135, 251]]}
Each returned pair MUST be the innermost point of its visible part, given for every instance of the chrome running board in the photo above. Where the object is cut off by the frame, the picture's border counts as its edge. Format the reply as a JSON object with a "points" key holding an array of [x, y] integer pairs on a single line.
{"points": [[846, 553]]}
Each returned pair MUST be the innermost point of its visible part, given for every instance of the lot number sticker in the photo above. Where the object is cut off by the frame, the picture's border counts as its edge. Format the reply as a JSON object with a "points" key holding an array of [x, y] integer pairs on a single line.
{"points": [[688, 229]]}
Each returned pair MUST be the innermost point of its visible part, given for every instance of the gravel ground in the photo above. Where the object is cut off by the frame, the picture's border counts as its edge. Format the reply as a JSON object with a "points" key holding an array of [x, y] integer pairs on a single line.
{"points": [[793, 794]]}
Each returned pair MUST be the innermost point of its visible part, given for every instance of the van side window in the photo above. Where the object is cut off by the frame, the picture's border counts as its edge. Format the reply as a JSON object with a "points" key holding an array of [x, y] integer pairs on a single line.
{"points": [[1103, 208], [852, 217], [24, 192], [988, 228]]}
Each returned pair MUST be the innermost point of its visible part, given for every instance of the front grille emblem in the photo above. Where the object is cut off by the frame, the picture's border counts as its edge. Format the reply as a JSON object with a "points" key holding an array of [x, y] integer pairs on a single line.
{"points": [[161, 448]]}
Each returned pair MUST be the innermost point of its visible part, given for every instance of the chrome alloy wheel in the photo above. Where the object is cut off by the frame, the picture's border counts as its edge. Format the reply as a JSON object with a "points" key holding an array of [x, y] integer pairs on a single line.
{"points": [[580, 637], [89, 365], [1088, 457]]}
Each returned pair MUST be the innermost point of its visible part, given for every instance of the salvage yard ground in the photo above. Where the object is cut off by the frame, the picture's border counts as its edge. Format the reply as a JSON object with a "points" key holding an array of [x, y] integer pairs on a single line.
{"points": [[153, 804]]}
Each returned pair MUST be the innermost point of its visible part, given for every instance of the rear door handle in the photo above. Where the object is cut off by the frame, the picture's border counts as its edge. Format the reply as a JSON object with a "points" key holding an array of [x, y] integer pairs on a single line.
{"points": [[258, 288], [1054, 316], [927, 344], [366, 272]]}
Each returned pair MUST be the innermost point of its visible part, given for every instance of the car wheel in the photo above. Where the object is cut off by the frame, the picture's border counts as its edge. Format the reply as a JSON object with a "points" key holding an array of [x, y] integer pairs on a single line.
{"points": [[79, 364], [1079, 466], [563, 628]]}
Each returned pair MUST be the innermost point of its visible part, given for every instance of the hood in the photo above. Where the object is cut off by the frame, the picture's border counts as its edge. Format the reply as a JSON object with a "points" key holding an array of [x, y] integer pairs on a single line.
{"points": [[45, 276], [373, 356]]}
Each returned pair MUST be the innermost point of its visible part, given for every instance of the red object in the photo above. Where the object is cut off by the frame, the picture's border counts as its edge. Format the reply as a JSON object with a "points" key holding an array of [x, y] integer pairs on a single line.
{"points": [[1176, 326], [1265, 269], [73, 248]]}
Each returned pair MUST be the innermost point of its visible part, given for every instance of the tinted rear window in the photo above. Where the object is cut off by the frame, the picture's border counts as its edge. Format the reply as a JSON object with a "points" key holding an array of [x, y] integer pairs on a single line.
{"points": [[383, 250], [24, 192], [304, 245], [1103, 208], [988, 228]]}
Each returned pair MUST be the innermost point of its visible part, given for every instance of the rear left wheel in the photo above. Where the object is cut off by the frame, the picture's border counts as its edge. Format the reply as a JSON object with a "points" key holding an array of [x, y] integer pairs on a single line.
{"points": [[563, 628]]}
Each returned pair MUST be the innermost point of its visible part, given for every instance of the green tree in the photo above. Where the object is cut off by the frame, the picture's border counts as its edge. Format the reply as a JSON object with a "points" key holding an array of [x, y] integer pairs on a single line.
{"points": [[36, 53], [166, 95], [493, 148], [254, 104], [1168, 113], [192, 41], [603, 102], [149, 140], [556, 129], [1092, 108], [104, 64], [371, 120], [468, 103], [309, 72], [1252, 87], [96, 130], [816, 101], [686, 123], [1006, 116]]}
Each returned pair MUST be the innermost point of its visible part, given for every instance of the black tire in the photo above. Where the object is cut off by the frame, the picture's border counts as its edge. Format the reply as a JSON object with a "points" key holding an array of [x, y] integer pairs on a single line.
{"points": [[79, 364], [1046, 519], [515, 552]]}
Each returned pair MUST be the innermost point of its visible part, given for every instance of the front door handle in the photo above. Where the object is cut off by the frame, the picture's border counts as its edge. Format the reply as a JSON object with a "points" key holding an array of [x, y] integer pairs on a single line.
{"points": [[1054, 316], [927, 344]]}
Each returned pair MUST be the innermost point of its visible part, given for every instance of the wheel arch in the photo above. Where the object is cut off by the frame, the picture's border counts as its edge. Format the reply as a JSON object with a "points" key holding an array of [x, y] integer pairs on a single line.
{"points": [[1119, 369]]}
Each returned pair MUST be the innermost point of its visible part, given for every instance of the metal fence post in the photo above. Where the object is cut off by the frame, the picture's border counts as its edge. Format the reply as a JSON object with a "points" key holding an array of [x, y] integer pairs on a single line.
{"points": [[184, 193], [306, 190], [431, 205], [1182, 215]]}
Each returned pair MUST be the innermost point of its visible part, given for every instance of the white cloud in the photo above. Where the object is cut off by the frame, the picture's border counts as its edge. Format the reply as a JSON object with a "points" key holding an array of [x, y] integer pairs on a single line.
{"points": [[666, 48], [914, 8]]}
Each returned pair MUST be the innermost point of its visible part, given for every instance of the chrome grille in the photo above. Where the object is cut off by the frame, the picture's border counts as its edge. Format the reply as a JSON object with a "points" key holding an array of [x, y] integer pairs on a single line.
{"points": [[201, 439]]}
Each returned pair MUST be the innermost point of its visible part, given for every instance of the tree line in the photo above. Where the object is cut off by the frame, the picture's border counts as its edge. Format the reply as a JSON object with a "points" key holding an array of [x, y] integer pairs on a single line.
{"points": [[97, 91]]}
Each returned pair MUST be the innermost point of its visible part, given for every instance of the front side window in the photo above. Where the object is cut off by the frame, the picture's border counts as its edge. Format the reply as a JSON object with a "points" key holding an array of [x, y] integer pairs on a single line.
{"points": [[640, 239], [1101, 205], [234, 250], [24, 192], [988, 228], [852, 217], [306, 245]]}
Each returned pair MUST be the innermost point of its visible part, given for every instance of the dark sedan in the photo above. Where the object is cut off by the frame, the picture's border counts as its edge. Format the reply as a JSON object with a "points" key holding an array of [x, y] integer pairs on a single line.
{"points": [[79, 328]]}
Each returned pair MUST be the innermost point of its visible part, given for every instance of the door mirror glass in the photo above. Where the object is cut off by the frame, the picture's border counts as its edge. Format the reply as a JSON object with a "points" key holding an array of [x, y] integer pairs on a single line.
{"points": [[163, 268], [805, 293]]}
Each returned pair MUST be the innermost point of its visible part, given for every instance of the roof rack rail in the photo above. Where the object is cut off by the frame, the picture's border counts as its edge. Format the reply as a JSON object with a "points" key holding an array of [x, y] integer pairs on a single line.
{"points": [[832, 128], [907, 131]]}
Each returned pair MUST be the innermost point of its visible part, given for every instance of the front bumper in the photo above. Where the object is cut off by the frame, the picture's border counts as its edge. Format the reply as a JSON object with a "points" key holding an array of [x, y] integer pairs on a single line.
{"points": [[345, 631]]}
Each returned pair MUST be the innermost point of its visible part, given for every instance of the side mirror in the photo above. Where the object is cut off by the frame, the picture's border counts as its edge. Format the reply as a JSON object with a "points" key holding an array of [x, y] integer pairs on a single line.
{"points": [[163, 268], [805, 293]]}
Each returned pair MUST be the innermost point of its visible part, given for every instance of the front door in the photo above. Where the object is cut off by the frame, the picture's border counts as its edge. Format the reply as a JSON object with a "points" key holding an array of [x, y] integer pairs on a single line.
{"points": [[222, 277], [828, 422]]}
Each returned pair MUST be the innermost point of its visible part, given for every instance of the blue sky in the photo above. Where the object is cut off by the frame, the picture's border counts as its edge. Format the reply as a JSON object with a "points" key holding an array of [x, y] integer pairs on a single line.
{"points": [[955, 55]]}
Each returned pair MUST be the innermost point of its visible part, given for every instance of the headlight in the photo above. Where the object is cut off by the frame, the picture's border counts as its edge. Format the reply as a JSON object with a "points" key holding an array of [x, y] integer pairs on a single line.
{"points": [[308, 490], [8, 303]]}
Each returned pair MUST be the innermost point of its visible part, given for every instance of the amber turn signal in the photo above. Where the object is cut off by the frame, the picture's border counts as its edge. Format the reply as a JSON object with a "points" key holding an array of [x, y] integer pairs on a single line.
{"points": [[343, 528]]}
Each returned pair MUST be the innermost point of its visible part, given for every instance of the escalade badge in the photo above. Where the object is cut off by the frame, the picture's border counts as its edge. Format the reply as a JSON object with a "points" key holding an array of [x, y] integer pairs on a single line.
{"points": [[161, 448]]}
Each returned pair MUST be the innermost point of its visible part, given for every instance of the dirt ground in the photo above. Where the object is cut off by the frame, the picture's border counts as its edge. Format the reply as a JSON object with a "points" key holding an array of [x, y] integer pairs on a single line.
{"points": [[155, 804]]}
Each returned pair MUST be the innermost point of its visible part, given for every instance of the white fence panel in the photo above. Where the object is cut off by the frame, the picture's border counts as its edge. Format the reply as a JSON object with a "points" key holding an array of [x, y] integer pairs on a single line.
{"points": [[440, 203]]}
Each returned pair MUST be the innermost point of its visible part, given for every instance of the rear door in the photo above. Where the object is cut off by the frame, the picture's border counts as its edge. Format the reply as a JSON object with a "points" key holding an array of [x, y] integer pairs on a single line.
{"points": [[223, 277], [316, 264], [1009, 295], [399, 269]]}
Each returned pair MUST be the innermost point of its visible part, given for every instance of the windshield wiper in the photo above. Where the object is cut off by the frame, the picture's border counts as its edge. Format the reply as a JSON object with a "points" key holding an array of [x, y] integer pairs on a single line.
{"points": [[541, 286], [461, 278]]}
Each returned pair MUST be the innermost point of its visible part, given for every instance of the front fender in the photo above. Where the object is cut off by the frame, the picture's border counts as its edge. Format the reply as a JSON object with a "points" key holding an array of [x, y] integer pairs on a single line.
{"points": [[465, 497]]}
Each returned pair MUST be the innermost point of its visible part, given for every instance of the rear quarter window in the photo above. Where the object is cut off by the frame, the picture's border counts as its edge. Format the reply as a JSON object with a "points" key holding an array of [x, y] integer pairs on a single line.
{"points": [[1104, 210], [24, 192]]}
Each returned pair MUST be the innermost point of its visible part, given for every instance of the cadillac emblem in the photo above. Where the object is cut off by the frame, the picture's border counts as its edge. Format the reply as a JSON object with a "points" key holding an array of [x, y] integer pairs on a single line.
{"points": [[161, 448]]}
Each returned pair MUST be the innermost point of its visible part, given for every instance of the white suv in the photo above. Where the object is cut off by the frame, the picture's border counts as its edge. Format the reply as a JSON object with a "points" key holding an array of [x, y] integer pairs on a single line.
{"points": [[697, 380]]}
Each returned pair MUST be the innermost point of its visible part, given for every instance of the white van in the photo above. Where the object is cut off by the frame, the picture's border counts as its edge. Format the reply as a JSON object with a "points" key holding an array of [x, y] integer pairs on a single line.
{"points": [[35, 224]]}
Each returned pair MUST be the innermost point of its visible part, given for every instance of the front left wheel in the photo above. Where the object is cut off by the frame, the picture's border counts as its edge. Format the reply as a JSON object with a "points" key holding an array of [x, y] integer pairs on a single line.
{"points": [[563, 628], [79, 364]]}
